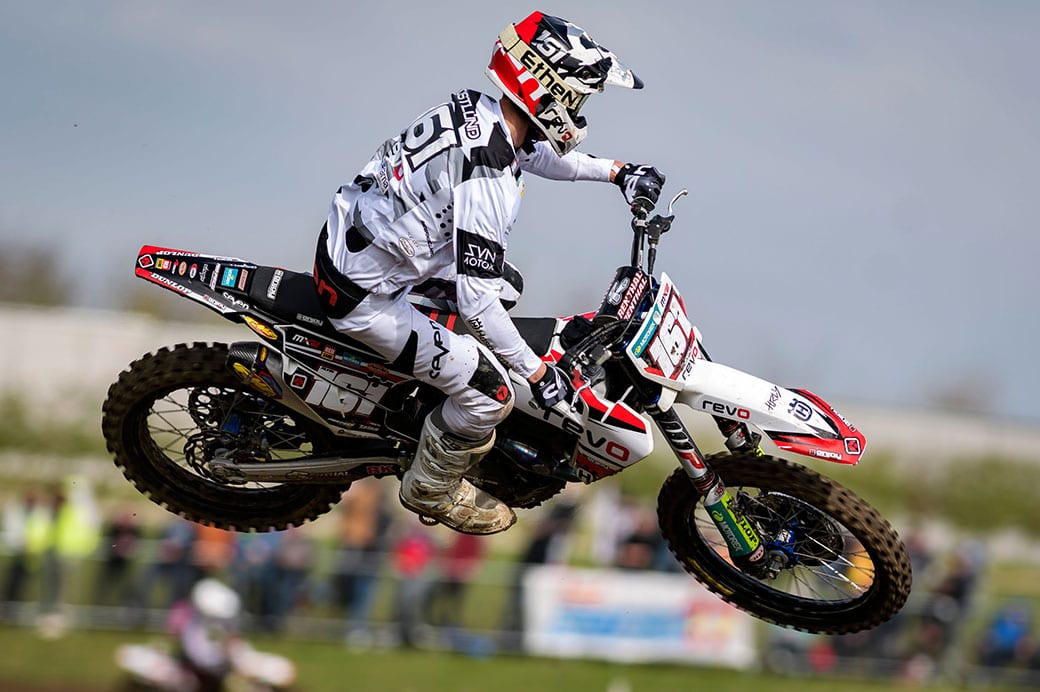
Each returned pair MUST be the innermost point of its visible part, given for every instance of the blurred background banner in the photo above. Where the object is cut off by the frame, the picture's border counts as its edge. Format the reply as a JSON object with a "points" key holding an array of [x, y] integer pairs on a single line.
{"points": [[632, 616]]}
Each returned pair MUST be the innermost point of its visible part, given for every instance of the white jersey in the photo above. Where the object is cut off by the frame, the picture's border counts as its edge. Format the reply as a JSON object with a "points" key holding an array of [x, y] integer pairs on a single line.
{"points": [[438, 202]]}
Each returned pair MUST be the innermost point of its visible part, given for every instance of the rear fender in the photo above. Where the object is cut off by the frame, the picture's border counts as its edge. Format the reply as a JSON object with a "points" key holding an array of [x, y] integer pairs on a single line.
{"points": [[795, 420], [220, 283]]}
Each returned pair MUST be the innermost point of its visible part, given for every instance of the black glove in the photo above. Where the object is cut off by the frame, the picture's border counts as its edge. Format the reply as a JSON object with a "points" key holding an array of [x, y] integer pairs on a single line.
{"points": [[639, 181], [552, 388]]}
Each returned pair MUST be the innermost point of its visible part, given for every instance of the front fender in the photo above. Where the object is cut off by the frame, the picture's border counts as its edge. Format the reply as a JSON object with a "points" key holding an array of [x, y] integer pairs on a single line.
{"points": [[796, 420]]}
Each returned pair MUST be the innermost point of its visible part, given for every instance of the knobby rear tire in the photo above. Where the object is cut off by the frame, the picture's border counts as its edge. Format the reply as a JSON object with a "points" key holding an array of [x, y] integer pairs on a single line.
{"points": [[125, 425], [706, 560]]}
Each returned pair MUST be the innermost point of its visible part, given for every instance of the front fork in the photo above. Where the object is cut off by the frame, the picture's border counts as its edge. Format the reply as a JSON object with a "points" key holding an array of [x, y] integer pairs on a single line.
{"points": [[745, 545]]}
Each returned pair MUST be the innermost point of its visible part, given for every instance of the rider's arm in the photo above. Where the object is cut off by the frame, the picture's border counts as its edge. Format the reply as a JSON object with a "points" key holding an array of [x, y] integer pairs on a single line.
{"points": [[481, 220], [542, 161], [491, 323]]}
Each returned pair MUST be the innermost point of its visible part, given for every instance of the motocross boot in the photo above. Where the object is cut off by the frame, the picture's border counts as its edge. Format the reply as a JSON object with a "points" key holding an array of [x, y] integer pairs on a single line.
{"points": [[433, 485]]}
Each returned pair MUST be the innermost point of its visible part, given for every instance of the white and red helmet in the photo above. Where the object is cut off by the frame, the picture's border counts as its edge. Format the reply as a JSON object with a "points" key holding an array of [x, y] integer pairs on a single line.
{"points": [[548, 67]]}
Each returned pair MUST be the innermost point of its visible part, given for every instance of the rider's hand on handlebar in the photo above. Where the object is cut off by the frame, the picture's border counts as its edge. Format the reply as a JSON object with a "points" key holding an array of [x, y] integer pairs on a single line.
{"points": [[640, 182], [551, 387]]}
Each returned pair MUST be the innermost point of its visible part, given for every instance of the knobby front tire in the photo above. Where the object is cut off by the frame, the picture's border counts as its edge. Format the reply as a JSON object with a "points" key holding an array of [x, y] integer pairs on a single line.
{"points": [[849, 570]]}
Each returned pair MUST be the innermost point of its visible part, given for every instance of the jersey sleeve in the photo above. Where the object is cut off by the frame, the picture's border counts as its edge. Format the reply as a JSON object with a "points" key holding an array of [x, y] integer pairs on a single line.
{"points": [[481, 225], [576, 165]]}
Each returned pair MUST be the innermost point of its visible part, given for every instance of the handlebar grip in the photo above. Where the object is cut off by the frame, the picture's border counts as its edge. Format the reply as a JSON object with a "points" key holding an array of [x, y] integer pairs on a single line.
{"points": [[642, 206]]}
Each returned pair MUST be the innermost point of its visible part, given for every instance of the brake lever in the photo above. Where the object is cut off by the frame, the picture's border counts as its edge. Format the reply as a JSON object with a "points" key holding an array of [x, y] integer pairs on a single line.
{"points": [[682, 193]]}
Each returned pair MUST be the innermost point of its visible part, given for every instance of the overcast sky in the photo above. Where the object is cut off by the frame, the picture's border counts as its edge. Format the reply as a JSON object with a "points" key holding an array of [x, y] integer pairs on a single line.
{"points": [[863, 176]]}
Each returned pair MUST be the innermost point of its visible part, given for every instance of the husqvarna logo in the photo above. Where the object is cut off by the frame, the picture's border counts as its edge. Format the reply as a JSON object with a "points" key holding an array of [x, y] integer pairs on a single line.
{"points": [[800, 410]]}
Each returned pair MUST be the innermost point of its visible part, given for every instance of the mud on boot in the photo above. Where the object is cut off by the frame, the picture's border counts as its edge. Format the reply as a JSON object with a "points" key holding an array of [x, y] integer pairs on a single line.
{"points": [[434, 485]]}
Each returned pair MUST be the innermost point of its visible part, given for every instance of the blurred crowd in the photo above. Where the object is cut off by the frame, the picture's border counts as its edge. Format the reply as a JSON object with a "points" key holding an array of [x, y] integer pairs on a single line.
{"points": [[386, 579], [61, 550]]}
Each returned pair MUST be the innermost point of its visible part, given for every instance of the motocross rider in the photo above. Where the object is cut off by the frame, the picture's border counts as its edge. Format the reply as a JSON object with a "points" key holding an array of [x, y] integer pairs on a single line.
{"points": [[435, 205], [205, 628]]}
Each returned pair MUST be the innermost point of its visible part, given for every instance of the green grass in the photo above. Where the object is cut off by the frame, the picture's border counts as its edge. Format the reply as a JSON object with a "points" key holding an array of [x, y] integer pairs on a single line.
{"points": [[82, 661]]}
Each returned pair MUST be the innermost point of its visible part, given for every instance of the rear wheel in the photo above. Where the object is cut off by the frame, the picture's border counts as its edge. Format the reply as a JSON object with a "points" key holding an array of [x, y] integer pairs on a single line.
{"points": [[173, 411], [845, 568]]}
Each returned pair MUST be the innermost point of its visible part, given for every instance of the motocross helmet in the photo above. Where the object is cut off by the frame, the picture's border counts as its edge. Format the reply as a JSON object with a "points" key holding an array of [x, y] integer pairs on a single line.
{"points": [[214, 600], [548, 67]]}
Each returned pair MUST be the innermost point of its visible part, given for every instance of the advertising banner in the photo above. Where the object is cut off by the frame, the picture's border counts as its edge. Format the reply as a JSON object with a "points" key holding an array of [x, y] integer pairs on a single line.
{"points": [[632, 616]]}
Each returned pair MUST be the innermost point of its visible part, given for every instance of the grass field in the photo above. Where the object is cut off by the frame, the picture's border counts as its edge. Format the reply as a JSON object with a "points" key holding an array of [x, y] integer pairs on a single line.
{"points": [[82, 662]]}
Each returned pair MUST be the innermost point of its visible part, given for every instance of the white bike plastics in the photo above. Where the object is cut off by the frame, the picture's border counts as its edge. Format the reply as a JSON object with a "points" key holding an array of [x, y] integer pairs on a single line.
{"points": [[327, 411], [666, 351]]}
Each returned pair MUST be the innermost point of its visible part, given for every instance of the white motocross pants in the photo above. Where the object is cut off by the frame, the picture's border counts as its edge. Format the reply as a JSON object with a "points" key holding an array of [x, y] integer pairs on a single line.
{"points": [[479, 392]]}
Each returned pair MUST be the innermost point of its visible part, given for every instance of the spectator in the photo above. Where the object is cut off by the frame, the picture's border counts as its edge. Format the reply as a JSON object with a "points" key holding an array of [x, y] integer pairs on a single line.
{"points": [[641, 544], [212, 551], [121, 539], [459, 560], [363, 540], [171, 573], [943, 614], [255, 575], [413, 555], [1005, 641], [71, 536], [21, 564], [547, 545], [293, 561], [42, 534]]}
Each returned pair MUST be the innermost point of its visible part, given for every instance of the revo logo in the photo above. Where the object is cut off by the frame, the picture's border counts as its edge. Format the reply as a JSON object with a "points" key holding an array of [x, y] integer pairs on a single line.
{"points": [[725, 409]]}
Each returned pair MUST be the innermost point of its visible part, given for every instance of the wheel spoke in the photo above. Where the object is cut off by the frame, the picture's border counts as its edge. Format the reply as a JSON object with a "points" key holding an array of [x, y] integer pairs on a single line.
{"points": [[174, 411], [186, 424], [828, 563]]}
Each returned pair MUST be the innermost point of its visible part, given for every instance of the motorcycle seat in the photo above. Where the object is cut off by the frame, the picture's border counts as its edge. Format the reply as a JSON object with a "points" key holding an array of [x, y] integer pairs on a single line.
{"points": [[292, 299]]}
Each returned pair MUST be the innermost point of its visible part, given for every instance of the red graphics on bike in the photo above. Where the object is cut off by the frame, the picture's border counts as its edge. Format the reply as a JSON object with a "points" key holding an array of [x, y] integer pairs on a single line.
{"points": [[266, 434], [220, 283], [666, 345], [846, 445]]}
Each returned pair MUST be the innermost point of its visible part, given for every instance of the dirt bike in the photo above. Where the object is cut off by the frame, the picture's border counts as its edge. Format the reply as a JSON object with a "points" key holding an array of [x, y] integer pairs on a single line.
{"points": [[267, 435], [153, 667]]}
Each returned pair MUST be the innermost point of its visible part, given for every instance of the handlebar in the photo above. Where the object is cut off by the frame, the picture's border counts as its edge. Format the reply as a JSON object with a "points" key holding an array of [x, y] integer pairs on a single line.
{"points": [[650, 229], [593, 349]]}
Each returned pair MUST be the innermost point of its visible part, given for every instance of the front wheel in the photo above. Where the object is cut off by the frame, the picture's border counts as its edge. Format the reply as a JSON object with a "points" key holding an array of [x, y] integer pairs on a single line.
{"points": [[846, 569]]}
